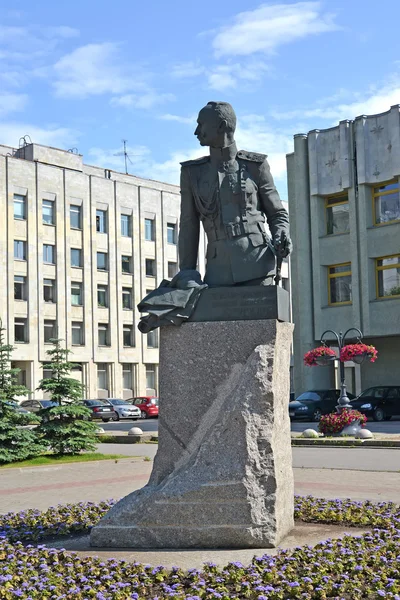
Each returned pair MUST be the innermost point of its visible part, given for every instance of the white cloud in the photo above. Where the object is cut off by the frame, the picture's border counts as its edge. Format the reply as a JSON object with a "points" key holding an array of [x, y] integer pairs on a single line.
{"points": [[145, 101], [59, 137], [186, 120], [224, 77], [12, 103], [93, 69], [270, 26], [187, 69], [373, 101]]}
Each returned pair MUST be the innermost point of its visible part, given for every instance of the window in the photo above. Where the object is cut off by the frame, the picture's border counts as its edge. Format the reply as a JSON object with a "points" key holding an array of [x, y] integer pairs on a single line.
{"points": [[126, 264], [19, 207], [48, 213], [150, 267], [77, 333], [76, 257], [386, 199], [49, 255], [126, 225], [339, 284], [104, 335], [127, 376], [19, 250], [149, 230], [75, 213], [20, 331], [152, 339], [102, 379], [49, 331], [102, 296], [101, 221], [128, 335], [76, 293], [102, 261], [19, 287], [49, 290], [337, 215], [388, 276], [127, 298], [172, 269], [171, 233], [151, 388]]}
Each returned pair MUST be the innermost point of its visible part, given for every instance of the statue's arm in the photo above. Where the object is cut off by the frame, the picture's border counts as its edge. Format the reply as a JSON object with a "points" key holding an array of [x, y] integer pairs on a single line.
{"points": [[189, 226], [276, 214]]}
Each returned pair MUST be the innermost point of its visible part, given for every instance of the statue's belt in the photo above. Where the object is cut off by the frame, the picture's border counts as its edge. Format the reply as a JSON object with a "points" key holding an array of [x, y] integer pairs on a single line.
{"points": [[233, 230]]}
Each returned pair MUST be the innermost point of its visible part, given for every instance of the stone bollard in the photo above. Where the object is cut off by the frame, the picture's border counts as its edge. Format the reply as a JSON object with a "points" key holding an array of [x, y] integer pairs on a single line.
{"points": [[137, 433]]}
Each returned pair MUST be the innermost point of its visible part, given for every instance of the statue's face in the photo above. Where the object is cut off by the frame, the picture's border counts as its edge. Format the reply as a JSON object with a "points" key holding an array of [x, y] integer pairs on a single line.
{"points": [[207, 130]]}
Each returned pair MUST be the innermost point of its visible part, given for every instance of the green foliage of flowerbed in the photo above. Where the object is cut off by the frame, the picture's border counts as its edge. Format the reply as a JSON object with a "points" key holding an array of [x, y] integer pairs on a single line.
{"points": [[353, 568]]}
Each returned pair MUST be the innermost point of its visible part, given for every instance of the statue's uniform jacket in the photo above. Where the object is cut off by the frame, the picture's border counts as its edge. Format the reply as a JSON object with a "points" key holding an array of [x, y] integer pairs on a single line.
{"points": [[231, 192]]}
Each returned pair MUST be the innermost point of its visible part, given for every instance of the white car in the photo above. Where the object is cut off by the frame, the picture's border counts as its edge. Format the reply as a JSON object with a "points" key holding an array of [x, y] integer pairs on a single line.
{"points": [[123, 409]]}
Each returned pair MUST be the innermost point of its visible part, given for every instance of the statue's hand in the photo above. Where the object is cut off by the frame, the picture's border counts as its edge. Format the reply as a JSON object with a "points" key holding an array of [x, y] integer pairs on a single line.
{"points": [[282, 244]]}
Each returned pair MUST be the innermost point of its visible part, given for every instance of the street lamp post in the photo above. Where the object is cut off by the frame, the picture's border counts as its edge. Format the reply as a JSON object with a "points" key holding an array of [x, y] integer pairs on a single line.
{"points": [[343, 401]]}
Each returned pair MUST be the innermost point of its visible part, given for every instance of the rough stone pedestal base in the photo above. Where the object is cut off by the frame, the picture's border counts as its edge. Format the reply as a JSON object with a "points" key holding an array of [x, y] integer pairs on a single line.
{"points": [[222, 476]]}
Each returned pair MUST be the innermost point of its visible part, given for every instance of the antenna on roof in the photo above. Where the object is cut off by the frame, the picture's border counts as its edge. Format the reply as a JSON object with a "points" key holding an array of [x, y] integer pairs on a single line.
{"points": [[126, 156]]}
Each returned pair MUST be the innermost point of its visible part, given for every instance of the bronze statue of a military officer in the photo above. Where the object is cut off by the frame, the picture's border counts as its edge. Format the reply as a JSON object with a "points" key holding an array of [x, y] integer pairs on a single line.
{"points": [[231, 192]]}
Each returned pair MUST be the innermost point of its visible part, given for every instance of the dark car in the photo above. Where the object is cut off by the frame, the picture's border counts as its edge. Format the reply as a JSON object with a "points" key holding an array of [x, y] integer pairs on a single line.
{"points": [[101, 409], [36, 405], [313, 404], [381, 402]]}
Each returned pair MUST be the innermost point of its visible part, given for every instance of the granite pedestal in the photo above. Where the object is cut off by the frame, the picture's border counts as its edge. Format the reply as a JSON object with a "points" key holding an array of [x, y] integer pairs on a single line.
{"points": [[222, 476]]}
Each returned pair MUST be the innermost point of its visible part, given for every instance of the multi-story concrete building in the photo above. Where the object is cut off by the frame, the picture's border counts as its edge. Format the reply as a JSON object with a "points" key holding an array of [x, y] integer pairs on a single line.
{"points": [[79, 248], [345, 220]]}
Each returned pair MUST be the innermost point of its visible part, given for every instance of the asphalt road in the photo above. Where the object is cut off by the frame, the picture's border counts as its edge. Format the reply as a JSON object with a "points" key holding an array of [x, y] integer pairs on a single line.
{"points": [[388, 427]]}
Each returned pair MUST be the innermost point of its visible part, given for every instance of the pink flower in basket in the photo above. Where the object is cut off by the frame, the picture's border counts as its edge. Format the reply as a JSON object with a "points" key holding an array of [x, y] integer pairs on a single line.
{"points": [[310, 358], [336, 422], [352, 351]]}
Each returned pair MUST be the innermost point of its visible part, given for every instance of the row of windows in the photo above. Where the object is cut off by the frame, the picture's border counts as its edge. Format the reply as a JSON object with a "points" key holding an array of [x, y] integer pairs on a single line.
{"points": [[49, 218], [78, 333], [387, 271], [386, 208], [49, 257]]}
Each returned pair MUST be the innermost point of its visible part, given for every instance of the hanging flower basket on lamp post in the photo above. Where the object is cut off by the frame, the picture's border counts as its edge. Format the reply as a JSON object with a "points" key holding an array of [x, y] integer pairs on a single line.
{"points": [[358, 353], [319, 357]]}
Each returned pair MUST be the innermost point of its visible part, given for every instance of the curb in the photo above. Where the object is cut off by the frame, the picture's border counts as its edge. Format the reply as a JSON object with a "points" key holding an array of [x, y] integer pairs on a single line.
{"points": [[104, 438], [343, 442]]}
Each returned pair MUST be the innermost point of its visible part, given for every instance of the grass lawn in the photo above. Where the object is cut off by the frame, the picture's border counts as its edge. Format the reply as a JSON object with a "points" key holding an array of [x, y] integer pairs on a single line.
{"points": [[55, 459]]}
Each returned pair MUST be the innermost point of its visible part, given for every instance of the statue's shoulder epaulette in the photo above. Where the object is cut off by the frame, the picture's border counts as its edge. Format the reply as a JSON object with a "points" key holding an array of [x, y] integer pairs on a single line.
{"points": [[196, 161], [253, 156]]}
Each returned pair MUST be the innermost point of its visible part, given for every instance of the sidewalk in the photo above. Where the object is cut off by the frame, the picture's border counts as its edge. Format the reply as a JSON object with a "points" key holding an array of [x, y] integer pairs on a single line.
{"points": [[41, 487]]}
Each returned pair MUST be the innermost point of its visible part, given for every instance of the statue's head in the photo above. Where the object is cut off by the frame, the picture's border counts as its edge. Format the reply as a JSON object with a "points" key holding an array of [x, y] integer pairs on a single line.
{"points": [[216, 125]]}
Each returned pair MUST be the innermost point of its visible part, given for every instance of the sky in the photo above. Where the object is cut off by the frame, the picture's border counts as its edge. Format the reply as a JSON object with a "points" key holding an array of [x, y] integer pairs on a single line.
{"points": [[87, 74]]}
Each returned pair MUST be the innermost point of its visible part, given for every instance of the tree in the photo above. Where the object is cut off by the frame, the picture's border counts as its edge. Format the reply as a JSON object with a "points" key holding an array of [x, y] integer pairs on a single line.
{"points": [[16, 443], [66, 426]]}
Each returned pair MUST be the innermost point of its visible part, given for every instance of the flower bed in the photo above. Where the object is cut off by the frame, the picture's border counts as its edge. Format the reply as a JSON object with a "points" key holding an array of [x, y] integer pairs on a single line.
{"points": [[335, 422], [353, 568]]}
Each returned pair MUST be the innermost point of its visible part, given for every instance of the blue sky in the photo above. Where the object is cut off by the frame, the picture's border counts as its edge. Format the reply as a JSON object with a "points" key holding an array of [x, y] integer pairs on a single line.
{"points": [[87, 74]]}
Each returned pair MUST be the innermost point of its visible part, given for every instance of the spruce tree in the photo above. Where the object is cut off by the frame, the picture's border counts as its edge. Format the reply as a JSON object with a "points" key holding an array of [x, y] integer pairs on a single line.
{"points": [[66, 426], [16, 442]]}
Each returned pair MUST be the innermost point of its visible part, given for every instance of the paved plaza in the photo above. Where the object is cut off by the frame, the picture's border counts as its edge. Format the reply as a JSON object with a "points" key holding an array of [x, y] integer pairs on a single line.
{"points": [[41, 487]]}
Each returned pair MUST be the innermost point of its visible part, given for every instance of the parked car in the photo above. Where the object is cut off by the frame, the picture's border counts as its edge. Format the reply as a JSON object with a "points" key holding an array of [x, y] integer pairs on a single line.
{"points": [[381, 402], [36, 405], [313, 404], [17, 407], [124, 409], [148, 406], [101, 409]]}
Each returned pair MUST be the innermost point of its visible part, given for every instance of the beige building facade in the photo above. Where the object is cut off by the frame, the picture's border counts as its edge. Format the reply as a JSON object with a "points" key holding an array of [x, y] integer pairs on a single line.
{"points": [[80, 246]]}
